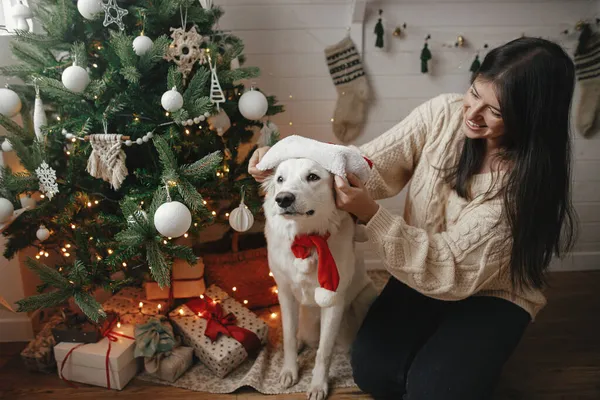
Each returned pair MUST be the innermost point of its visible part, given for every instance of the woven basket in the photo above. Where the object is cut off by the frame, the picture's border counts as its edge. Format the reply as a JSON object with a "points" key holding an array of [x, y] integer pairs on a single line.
{"points": [[247, 271]]}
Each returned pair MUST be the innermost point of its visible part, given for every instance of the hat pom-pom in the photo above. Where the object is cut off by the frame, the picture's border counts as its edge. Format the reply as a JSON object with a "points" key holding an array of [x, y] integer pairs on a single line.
{"points": [[325, 298]]}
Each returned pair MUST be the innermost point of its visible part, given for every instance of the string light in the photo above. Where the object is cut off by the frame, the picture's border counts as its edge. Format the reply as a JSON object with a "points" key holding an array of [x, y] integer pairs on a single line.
{"points": [[187, 131], [202, 296], [73, 226], [195, 224], [46, 255], [63, 250], [37, 256], [159, 306], [42, 196], [89, 204], [140, 305], [67, 254], [95, 97], [291, 123], [167, 114], [141, 203], [60, 269], [170, 238], [124, 264], [164, 241], [214, 213], [136, 119], [276, 291], [68, 245], [227, 215], [291, 96], [271, 274], [95, 65], [41, 252], [185, 235], [204, 202], [234, 289], [245, 301], [68, 153], [96, 202], [181, 311], [98, 258], [273, 315], [91, 238], [332, 119], [57, 118], [118, 324], [110, 251], [73, 140]]}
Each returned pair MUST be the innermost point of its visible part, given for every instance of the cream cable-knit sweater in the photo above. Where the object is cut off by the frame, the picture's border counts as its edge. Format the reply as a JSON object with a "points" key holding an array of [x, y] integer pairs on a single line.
{"points": [[445, 246]]}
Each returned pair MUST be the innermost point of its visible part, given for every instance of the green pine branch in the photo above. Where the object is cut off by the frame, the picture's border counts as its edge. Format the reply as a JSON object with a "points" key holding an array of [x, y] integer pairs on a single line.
{"points": [[44, 300], [231, 76], [90, 307], [203, 168], [174, 79], [159, 267], [48, 275]]}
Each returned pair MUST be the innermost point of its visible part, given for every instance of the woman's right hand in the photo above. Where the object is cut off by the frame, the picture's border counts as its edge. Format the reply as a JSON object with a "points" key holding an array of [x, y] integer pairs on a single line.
{"points": [[258, 175]]}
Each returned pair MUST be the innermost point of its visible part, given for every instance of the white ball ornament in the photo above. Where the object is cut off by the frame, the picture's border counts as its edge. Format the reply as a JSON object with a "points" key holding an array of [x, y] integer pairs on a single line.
{"points": [[27, 201], [241, 219], [253, 105], [75, 78], [6, 210], [172, 100], [142, 44], [172, 219], [90, 9], [10, 103], [6, 146], [42, 233]]}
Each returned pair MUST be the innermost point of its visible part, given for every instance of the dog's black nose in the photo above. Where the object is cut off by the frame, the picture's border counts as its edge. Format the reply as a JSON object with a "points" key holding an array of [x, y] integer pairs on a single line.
{"points": [[285, 199]]}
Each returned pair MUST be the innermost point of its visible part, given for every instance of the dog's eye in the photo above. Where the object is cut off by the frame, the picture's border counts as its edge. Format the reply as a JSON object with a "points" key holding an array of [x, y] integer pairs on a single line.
{"points": [[280, 179], [312, 177]]}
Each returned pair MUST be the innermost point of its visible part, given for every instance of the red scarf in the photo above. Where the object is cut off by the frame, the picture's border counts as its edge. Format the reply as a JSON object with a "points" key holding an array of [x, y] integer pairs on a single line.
{"points": [[327, 270]]}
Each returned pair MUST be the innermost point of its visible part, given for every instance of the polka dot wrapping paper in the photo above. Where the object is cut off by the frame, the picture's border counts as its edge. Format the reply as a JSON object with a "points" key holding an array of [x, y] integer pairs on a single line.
{"points": [[126, 303], [224, 354]]}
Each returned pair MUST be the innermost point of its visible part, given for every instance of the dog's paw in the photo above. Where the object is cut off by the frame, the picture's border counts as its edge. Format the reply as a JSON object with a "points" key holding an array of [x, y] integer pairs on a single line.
{"points": [[288, 377], [318, 391]]}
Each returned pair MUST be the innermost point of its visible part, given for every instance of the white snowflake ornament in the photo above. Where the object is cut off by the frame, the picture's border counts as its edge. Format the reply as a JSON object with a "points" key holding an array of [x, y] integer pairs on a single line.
{"points": [[47, 177]]}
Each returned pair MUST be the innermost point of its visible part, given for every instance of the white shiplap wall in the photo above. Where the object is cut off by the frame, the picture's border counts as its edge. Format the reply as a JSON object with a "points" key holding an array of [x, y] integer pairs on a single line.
{"points": [[286, 39]]}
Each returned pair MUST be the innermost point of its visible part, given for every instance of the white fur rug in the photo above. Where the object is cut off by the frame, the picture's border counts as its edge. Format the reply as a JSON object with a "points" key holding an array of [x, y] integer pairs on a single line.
{"points": [[262, 373]]}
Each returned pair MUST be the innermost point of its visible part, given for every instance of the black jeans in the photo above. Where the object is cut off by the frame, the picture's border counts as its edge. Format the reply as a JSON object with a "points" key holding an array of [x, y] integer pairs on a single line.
{"points": [[413, 347]]}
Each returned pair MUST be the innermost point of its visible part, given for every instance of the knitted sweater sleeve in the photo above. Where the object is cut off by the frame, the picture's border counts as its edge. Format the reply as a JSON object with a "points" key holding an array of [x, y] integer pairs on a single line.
{"points": [[449, 265], [396, 152]]}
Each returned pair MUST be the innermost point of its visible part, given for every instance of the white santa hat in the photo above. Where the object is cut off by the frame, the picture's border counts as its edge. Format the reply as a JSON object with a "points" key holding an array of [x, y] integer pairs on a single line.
{"points": [[337, 159]]}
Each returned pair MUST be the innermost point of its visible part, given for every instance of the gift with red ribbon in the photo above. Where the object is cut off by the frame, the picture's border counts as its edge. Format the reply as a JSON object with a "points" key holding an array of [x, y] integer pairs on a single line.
{"points": [[109, 363], [222, 331]]}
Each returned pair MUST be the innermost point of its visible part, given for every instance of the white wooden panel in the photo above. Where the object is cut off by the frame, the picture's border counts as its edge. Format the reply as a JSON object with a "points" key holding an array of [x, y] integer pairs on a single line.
{"points": [[589, 232], [587, 170], [588, 212], [586, 149], [586, 192], [586, 246]]}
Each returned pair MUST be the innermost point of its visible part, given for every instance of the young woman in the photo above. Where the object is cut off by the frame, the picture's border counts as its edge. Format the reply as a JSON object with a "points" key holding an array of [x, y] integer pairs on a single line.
{"points": [[487, 208]]}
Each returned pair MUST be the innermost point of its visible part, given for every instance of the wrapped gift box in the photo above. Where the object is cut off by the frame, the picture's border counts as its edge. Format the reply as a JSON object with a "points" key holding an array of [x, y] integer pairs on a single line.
{"points": [[126, 304], [225, 353], [87, 362], [38, 355], [186, 281]]}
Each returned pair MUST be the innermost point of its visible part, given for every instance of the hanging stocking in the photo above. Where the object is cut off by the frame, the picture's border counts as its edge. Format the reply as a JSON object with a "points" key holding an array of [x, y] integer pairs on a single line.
{"points": [[107, 160], [345, 67], [587, 70]]}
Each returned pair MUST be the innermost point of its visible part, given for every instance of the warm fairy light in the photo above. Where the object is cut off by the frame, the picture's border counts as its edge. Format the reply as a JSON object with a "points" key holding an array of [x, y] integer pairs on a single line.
{"points": [[214, 213], [99, 47], [73, 226], [204, 202], [41, 252], [170, 238], [164, 241], [63, 250], [68, 153], [67, 254], [159, 306], [124, 264], [332, 119], [42, 196], [71, 282], [195, 224], [118, 324], [91, 238], [291, 96], [273, 315], [73, 140], [214, 302], [140, 305], [167, 114], [181, 311], [187, 131], [46, 255], [37, 256], [202, 296], [234, 288], [68, 245], [218, 173], [185, 235], [95, 65], [142, 203], [200, 314], [275, 290], [291, 123], [95, 97], [227, 215], [60, 269], [271, 274], [96, 202], [245, 301], [89, 204], [57, 118], [98, 258], [136, 119], [110, 251]]}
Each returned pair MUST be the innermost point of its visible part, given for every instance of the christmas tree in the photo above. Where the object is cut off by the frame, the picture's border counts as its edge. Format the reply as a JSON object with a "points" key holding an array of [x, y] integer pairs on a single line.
{"points": [[135, 132]]}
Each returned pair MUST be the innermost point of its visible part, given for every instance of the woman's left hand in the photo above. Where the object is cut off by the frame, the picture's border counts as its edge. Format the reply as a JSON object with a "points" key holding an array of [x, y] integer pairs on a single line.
{"points": [[353, 197]]}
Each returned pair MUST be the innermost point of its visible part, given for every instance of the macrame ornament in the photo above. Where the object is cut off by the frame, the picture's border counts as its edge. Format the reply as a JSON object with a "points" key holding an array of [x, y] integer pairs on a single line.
{"points": [[39, 116], [185, 50], [107, 160]]}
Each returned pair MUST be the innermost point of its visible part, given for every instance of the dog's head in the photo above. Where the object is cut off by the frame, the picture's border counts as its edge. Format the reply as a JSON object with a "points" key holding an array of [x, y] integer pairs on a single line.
{"points": [[301, 190]]}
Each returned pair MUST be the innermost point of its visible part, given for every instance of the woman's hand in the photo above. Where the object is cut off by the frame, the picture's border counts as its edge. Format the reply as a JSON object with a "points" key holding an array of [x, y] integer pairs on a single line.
{"points": [[352, 197], [258, 175]]}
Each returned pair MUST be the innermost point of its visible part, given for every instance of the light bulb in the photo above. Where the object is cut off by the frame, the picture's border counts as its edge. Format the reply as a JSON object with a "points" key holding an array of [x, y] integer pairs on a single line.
{"points": [[110, 251], [124, 264], [68, 245], [95, 65], [204, 202], [214, 213], [271, 274], [245, 301], [140, 305], [234, 288], [164, 241], [37, 256], [67, 254], [159, 306], [200, 314], [63, 250], [46, 255], [89, 204], [73, 226], [227, 215], [273, 315], [181, 311], [73, 140], [118, 324], [96, 202], [185, 235]]}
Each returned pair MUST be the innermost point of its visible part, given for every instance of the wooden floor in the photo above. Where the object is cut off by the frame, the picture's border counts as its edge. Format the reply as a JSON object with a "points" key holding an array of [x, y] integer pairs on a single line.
{"points": [[559, 358]]}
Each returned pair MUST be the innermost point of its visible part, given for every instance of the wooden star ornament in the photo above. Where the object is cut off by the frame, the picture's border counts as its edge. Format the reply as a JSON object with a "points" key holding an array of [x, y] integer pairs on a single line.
{"points": [[113, 14]]}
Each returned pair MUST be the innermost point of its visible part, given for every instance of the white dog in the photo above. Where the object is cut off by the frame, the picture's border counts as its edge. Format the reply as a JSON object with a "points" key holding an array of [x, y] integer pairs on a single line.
{"points": [[300, 200]]}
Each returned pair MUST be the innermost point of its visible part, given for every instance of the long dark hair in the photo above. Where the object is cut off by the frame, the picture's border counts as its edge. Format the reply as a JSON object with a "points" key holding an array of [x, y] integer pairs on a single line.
{"points": [[534, 82]]}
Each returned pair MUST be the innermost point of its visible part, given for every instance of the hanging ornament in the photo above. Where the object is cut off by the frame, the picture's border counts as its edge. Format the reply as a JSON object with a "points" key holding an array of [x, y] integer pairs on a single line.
{"points": [[172, 100], [27, 201], [75, 78], [10, 103], [113, 14], [185, 50], [39, 116], [21, 14], [219, 122], [475, 67], [206, 4], [253, 105], [6, 210], [234, 64], [425, 56], [379, 31], [107, 160], [172, 219], [90, 9], [47, 178], [42, 233], [142, 44], [6, 146], [241, 219], [460, 41], [216, 93], [269, 134], [399, 31]]}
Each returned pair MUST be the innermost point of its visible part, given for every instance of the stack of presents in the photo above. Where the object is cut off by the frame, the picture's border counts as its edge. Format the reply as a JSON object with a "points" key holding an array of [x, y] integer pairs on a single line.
{"points": [[160, 331]]}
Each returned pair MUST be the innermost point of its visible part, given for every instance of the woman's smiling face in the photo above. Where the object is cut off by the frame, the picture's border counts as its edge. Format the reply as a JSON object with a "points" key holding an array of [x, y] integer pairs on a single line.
{"points": [[482, 113]]}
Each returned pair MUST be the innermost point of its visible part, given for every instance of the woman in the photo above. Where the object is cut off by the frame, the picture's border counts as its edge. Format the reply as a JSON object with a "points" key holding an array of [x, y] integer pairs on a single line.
{"points": [[487, 208]]}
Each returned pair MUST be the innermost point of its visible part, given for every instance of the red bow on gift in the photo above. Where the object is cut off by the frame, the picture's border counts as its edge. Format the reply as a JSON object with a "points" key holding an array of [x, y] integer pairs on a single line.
{"points": [[219, 323], [112, 336]]}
